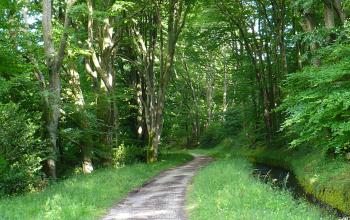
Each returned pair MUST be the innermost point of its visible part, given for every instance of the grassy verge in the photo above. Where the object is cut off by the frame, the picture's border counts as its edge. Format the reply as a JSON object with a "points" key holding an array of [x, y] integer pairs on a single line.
{"points": [[85, 197], [328, 179], [226, 190]]}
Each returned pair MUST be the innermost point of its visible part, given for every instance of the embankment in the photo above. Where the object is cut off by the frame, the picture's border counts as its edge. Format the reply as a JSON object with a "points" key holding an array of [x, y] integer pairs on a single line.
{"points": [[328, 179]]}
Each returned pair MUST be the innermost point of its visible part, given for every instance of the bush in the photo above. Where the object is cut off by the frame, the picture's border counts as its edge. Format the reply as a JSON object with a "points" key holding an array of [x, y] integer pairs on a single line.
{"points": [[317, 105], [215, 133], [124, 155], [212, 136], [20, 152], [233, 121]]}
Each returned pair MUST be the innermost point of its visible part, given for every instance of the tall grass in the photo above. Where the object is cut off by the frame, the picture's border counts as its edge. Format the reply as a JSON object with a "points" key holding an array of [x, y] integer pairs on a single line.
{"points": [[84, 197], [227, 190]]}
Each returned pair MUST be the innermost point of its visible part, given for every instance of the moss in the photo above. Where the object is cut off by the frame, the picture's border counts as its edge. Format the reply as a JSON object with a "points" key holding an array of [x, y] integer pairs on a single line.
{"points": [[327, 179]]}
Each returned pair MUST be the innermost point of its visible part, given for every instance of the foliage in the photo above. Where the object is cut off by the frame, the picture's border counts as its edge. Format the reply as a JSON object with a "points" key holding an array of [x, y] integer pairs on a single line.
{"points": [[21, 151], [317, 104], [216, 132], [124, 155], [212, 136], [232, 124]]}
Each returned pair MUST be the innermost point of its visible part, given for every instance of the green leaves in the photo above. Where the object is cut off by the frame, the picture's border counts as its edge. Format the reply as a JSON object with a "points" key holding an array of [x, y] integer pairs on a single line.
{"points": [[318, 102], [115, 9], [120, 6], [79, 9], [305, 5], [21, 152]]}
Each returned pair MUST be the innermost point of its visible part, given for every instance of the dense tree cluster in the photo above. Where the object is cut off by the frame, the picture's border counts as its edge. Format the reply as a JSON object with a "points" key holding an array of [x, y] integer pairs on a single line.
{"points": [[86, 84]]}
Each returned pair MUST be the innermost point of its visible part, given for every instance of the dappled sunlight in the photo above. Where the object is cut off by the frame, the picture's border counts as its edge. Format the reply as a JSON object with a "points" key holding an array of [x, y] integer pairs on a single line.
{"points": [[313, 180]]}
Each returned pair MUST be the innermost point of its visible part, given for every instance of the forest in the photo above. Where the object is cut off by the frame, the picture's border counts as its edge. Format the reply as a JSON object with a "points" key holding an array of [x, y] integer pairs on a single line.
{"points": [[98, 97]]}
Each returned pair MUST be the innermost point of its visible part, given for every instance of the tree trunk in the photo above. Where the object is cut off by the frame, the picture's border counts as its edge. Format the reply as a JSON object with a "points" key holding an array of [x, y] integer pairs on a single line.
{"points": [[224, 96], [195, 110], [329, 15], [54, 61], [310, 26], [102, 57], [82, 118], [149, 43], [209, 95], [339, 9], [52, 117]]}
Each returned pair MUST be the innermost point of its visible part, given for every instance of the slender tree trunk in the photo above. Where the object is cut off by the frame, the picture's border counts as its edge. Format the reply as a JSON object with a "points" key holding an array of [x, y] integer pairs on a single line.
{"points": [[140, 111], [224, 96], [53, 114], [209, 96], [194, 96], [54, 61]]}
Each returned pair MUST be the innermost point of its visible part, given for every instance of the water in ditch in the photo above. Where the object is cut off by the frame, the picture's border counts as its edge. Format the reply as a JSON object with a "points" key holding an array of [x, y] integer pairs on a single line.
{"points": [[283, 179]]}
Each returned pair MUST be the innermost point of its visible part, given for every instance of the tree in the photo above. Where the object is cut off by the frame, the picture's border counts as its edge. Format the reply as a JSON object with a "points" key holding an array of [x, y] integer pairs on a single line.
{"points": [[54, 59], [151, 43], [101, 67]]}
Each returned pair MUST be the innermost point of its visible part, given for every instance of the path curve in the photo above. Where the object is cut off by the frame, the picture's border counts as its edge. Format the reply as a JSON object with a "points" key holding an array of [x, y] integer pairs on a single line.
{"points": [[162, 198]]}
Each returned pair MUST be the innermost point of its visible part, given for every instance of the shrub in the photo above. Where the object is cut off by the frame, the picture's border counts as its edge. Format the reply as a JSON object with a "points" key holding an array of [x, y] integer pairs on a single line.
{"points": [[20, 151], [233, 121], [212, 136], [317, 105], [124, 155], [215, 133]]}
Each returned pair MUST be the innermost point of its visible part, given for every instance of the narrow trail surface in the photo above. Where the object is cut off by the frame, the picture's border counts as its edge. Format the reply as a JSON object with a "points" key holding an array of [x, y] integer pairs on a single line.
{"points": [[162, 198]]}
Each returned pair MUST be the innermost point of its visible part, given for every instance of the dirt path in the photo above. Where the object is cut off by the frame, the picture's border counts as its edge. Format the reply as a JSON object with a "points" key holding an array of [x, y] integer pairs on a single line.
{"points": [[162, 198]]}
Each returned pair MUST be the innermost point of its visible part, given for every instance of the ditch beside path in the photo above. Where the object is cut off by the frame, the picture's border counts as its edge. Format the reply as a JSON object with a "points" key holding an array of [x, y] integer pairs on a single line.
{"points": [[162, 198]]}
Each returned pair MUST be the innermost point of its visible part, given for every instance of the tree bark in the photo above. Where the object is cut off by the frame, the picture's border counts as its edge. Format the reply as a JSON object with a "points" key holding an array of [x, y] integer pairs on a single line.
{"points": [[329, 19], [101, 58], [339, 9], [196, 127], [148, 43], [224, 95], [209, 96], [309, 27], [82, 118], [54, 61]]}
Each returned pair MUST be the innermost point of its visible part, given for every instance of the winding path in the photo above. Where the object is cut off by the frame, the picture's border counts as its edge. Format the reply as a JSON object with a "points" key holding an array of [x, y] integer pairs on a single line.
{"points": [[162, 198]]}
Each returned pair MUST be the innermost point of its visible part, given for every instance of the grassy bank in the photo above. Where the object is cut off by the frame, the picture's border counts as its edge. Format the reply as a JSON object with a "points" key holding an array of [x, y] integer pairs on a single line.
{"points": [[85, 197], [227, 190], [327, 178]]}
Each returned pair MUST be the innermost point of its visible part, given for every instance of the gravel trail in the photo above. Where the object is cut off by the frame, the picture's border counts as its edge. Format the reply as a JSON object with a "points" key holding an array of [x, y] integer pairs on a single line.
{"points": [[162, 198]]}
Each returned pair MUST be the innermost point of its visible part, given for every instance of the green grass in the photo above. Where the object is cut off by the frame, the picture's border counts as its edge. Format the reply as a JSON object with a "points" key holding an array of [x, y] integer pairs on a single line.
{"points": [[85, 197], [324, 176], [223, 150], [226, 190]]}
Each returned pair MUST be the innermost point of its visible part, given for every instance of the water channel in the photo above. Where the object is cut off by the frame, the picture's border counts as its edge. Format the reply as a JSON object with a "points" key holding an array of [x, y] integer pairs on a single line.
{"points": [[283, 179]]}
